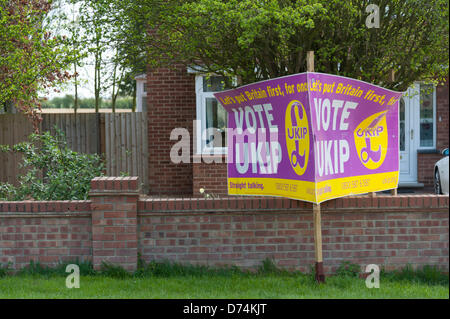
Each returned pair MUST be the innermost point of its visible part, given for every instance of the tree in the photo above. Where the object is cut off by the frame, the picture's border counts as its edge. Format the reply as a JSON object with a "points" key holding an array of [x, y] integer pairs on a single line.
{"points": [[65, 22], [262, 39], [129, 59], [99, 33], [107, 38], [31, 59], [93, 19], [76, 40], [128, 88]]}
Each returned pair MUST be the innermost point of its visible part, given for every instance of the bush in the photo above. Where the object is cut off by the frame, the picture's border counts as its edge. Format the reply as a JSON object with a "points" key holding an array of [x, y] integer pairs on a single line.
{"points": [[7, 191], [54, 172]]}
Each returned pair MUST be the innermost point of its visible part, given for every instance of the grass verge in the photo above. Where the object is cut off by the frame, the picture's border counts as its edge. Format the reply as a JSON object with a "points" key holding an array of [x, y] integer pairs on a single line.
{"points": [[171, 280]]}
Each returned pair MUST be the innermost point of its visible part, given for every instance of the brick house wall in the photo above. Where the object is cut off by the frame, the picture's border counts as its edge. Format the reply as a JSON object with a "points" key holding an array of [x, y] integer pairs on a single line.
{"points": [[170, 104], [425, 167], [442, 115], [426, 160], [212, 177]]}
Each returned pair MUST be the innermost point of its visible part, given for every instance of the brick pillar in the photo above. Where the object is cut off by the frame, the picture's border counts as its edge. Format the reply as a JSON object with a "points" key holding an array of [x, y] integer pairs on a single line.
{"points": [[114, 221], [171, 103]]}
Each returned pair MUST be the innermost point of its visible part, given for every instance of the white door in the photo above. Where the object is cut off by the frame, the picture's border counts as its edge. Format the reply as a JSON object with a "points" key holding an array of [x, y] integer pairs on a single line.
{"points": [[408, 137]]}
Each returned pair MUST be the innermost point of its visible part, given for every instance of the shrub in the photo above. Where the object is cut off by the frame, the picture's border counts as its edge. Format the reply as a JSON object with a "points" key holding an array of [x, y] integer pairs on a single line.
{"points": [[54, 172], [7, 191]]}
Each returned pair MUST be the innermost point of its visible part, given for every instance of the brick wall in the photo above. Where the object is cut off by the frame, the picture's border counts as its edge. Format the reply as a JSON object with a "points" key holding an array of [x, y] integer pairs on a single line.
{"points": [[116, 225], [114, 228], [388, 231], [45, 232], [170, 104]]}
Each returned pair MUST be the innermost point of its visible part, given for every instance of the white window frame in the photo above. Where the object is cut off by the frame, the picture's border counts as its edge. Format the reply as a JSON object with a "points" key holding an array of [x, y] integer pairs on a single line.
{"points": [[201, 97], [141, 93], [432, 147]]}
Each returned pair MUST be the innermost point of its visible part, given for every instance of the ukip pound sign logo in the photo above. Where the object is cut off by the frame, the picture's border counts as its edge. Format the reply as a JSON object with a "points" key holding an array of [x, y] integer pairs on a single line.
{"points": [[297, 136], [371, 139]]}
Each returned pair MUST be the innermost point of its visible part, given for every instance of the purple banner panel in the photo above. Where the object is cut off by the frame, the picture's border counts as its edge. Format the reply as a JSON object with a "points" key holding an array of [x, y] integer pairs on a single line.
{"points": [[312, 137]]}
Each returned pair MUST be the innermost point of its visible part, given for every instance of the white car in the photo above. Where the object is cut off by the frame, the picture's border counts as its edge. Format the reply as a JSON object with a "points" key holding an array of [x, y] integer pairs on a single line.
{"points": [[441, 174]]}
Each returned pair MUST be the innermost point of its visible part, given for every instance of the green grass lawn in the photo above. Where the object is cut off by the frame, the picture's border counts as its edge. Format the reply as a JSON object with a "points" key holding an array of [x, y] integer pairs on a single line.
{"points": [[179, 282], [213, 287]]}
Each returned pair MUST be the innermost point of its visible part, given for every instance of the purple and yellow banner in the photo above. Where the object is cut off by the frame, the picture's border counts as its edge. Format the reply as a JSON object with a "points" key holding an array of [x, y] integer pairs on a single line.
{"points": [[312, 137]]}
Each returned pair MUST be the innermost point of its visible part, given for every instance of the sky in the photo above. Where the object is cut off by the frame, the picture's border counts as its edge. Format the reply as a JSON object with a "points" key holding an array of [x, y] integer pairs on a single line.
{"points": [[86, 73]]}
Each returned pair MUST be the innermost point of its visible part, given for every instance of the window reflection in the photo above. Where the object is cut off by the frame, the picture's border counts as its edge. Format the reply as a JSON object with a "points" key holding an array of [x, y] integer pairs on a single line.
{"points": [[426, 115], [402, 124], [216, 123]]}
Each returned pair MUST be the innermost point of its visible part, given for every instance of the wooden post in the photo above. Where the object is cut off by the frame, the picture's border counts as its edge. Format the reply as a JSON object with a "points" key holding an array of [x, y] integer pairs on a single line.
{"points": [[317, 219], [310, 61], [320, 276], [391, 75]]}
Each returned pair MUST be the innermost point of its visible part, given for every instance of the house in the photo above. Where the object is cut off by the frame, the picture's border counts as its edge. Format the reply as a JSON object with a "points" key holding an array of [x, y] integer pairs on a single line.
{"points": [[178, 96]]}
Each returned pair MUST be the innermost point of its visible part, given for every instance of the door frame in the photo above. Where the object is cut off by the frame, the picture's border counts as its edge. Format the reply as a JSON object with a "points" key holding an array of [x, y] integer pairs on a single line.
{"points": [[412, 136]]}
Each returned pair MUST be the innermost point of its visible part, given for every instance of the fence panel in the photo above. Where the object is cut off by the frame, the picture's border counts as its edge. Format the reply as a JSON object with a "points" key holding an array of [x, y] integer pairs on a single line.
{"points": [[81, 130], [126, 145], [124, 140], [14, 128]]}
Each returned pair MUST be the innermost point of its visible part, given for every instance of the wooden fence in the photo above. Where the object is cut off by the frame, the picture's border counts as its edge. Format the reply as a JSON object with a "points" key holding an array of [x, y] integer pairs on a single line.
{"points": [[126, 146], [121, 138], [14, 128], [81, 130]]}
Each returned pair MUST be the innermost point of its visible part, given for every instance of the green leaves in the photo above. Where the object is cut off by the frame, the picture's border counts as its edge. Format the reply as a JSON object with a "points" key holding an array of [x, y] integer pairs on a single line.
{"points": [[54, 172], [256, 40], [30, 58], [237, 37]]}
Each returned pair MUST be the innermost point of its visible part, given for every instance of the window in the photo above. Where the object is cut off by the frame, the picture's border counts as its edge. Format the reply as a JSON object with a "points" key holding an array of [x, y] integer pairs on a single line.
{"points": [[144, 104], [211, 116], [427, 116], [141, 92]]}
